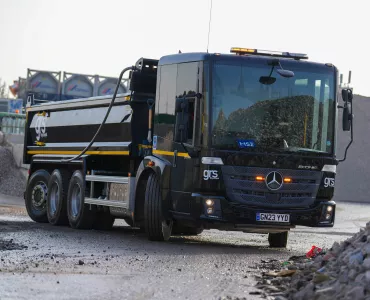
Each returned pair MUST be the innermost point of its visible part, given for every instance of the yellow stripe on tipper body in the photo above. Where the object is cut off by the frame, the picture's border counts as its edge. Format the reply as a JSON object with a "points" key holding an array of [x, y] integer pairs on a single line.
{"points": [[171, 153], [95, 152], [78, 152]]}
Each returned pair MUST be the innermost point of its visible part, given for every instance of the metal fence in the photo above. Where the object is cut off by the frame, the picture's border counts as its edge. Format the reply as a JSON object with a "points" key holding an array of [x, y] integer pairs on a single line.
{"points": [[11, 123]]}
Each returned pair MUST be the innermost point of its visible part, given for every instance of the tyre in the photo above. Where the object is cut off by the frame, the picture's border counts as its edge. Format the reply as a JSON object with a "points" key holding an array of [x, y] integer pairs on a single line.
{"points": [[103, 221], [56, 204], [278, 240], [80, 216], [156, 227], [36, 195], [183, 230]]}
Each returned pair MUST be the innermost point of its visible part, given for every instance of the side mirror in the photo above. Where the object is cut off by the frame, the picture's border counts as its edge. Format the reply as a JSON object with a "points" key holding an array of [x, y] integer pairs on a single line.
{"points": [[182, 119], [347, 95], [346, 119], [350, 95]]}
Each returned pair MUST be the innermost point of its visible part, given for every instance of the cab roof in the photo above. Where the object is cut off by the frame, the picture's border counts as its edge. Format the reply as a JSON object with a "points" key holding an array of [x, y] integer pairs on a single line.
{"points": [[203, 56]]}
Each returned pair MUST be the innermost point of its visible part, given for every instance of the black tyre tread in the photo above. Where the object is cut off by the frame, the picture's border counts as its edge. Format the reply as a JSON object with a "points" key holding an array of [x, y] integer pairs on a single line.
{"points": [[152, 210], [63, 218], [86, 220], [278, 240], [40, 217], [103, 221]]}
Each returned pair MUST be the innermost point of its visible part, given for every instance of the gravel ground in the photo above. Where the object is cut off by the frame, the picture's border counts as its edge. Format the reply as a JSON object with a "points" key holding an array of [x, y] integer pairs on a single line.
{"points": [[12, 180], [43, 261]]}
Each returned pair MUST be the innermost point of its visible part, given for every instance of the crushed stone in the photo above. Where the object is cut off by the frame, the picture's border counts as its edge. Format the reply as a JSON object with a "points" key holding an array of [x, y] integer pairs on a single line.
{"points": [[341, 272], [12, 180]]}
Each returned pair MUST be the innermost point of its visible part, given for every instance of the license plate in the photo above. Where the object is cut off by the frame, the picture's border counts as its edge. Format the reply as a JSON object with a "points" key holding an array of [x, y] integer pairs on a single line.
{"points": [[267, 217]]}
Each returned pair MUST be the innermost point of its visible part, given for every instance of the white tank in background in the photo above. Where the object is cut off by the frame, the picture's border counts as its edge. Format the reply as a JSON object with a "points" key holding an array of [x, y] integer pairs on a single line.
{"points": [[45, 85], [105, 86], [77, 86]]}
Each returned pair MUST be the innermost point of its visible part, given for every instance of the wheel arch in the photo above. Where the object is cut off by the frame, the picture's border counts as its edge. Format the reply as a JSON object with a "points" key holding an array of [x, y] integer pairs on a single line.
{"points": [[162, 169]]}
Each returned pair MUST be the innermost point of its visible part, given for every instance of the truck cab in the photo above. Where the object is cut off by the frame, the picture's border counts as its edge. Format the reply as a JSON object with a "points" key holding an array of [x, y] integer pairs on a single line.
{"points": [[249, 138]]}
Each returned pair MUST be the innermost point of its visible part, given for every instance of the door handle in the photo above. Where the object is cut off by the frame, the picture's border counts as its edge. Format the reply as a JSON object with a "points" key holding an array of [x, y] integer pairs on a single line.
{"points": [[174, 158]]}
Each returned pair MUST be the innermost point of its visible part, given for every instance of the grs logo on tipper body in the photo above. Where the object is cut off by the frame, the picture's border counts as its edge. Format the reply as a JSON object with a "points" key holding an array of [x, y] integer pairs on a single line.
{"points": [[40, 127], [210, 175]]}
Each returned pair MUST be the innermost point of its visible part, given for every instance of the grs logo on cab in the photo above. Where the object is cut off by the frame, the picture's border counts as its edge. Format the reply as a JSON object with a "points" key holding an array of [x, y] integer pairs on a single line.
{"points": [[210, 175], [329, 182]]}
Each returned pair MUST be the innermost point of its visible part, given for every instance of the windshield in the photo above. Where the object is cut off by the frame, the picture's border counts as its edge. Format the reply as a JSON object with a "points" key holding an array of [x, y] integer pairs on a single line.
{"points": [[295, 114]]}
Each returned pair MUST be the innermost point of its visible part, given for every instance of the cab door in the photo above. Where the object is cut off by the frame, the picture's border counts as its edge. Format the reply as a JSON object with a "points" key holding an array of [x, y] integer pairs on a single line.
{"points": [[187, 135]]}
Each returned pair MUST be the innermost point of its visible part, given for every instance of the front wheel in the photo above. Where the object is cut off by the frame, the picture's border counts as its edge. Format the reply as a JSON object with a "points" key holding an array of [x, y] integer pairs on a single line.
{"points": [[36, 195], [278, 240], [156, 227]]}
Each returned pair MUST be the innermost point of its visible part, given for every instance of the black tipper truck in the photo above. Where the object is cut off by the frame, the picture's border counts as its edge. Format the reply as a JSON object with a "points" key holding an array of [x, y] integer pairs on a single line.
{"points": [[243, 141]]}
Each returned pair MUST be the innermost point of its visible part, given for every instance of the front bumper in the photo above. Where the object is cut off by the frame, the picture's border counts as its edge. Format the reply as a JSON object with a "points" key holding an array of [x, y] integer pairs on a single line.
{"points": [[235, 216]]}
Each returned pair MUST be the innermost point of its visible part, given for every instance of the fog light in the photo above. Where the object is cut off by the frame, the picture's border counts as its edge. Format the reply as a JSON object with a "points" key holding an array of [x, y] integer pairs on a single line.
{"points": [[210, 210], [209, 202], [329, 209], [327, 217]]}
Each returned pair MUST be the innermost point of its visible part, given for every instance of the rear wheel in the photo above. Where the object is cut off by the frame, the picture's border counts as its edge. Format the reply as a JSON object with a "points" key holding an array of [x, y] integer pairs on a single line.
{"points": [[278, 240], [80, 215], [56, 204], [36, 195], [156, 227]]}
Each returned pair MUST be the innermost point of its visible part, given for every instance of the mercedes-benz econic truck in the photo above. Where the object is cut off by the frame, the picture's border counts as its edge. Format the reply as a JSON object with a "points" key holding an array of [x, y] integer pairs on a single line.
{"points": [[244, 141]]}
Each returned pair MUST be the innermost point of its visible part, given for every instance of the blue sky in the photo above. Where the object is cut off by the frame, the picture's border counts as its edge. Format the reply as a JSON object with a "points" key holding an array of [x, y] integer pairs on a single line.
{"points": [[103, 37]]}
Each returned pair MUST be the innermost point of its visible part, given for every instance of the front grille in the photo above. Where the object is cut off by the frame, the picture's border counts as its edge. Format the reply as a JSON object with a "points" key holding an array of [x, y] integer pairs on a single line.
{"points": [[242, 187]]}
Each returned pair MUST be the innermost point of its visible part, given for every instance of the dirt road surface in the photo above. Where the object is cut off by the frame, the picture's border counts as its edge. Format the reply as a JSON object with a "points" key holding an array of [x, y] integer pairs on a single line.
{"points": [[39, 261]]}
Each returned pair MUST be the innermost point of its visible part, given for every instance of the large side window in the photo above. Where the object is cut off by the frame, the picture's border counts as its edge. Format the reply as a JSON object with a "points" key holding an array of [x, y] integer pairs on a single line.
{"points": [[175, 81], [165, 101], [167, 90], [186, 86]]}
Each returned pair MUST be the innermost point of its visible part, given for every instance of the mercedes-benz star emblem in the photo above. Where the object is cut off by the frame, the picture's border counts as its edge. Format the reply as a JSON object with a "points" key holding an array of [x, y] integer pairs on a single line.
{"points": [[274, 181]]}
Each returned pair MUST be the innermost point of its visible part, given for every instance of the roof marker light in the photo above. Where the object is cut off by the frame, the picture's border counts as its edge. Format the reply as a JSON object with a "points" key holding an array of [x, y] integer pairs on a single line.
{"points": [[242, 51]]}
